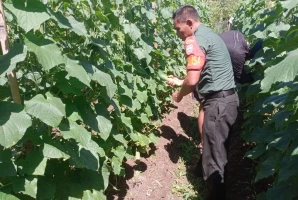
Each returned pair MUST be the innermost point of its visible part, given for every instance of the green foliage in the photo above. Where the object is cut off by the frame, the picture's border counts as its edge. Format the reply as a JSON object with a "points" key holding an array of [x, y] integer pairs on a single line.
{"points": [[88, 76], [220, 11], [271, 118]]}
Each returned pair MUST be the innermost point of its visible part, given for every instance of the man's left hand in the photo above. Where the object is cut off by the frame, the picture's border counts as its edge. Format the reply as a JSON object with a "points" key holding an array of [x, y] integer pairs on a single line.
{"points": [[176, 97]]}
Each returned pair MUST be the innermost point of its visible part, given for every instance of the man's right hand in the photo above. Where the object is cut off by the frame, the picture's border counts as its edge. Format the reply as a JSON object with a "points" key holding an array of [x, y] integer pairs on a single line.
{"points": [[174, 81]]}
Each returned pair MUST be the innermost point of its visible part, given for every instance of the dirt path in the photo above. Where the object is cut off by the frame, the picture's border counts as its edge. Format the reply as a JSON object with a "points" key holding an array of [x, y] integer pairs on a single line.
{"points": [[155, 176], [163, 175]]}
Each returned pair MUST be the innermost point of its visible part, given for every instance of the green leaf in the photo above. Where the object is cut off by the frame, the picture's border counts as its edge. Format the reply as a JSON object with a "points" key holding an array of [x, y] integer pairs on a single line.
{"points": [[133, 31], [256, 152], [116, 164], [105, 174], [69, 22], [127, 122], [6, 165], [4, 196], [140, 53], [120, 138], [124, 90], [72, 112], [100, 122], [289, 4], [30, 14], [50, 110], [13, 123], [269, 166], [142, 96], [76, 70], [76, 132], [101, 77], [148, 110], [136, 105], [166, 13], [46, 188], [46, 51], [9, 61], [88, 195], [143, 140], [25, 186], [92, 179], [144, 118], [94, 147], [284, 137], [104, 122], [50, 151], [34, 164], [120, 152], [281, 192], [285, 171], [284, 71], [81, 157]]}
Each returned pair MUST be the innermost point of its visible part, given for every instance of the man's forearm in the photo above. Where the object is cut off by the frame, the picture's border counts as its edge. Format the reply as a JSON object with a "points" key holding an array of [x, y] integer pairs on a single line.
{"points": [[186, 88]]}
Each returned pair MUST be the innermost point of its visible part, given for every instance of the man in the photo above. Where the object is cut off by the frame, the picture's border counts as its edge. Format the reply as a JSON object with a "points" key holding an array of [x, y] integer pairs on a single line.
{"points": [[209, 71], [240, 52]]}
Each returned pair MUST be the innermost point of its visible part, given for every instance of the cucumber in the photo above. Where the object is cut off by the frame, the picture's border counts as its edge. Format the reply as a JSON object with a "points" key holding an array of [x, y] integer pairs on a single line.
{"points": [[163, 76], [138, 157]]}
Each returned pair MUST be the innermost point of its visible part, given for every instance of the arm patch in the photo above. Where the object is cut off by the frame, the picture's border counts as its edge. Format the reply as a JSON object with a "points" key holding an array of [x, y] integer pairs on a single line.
{"points": [[195, 57]]}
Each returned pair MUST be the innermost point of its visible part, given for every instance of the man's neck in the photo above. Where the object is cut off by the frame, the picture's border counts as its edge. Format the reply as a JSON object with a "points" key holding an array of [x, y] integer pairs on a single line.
{"points": [[195, 26]]}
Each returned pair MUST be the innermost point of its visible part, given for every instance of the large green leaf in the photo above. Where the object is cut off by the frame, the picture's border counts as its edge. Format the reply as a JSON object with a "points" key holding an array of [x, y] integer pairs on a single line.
{"points": [[282, 192], [46, 51], [34, 164], [104, 122], [29, 14], [71, 23], [7, 166], [4, 196], [117, 165], [75, 70], [81, 157], [256, 152], [49, 110], [269, 166], [289, 4], [88, 195], [46, 188], [99, 121], [132, 30], [101, 77], [92, 179], [76, 132], [284, 71], [51, 151], [26, 185], [9, 61], [13, 123]]}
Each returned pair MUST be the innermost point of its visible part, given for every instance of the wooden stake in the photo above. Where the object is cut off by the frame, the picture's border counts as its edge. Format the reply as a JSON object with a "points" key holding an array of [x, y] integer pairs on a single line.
{"points": [[14, 87]]}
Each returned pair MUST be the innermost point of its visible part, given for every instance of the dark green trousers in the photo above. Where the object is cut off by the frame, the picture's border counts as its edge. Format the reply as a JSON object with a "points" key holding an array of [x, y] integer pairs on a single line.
{"points": [[220, 116]]}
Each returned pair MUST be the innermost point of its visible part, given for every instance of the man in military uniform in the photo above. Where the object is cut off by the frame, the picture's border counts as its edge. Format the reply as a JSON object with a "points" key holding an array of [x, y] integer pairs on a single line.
{"points": [[210, 72]]}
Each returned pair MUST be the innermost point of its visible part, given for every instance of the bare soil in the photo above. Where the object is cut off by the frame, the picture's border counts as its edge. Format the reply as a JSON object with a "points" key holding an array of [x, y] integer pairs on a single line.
{"points": [[154, 177]]}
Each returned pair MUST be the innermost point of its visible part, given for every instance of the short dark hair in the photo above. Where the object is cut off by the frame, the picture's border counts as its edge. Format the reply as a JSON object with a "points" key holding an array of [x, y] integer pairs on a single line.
{"points": [[185, 12]]}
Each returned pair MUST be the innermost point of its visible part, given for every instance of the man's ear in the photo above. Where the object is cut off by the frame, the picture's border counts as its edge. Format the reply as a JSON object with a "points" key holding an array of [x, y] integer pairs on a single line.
{"points": [[189, 22]]}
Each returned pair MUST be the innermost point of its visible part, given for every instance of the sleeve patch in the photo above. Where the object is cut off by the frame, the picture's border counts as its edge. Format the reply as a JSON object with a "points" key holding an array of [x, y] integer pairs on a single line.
{"points": [[189, 49], [195, 57], [194, 60]]}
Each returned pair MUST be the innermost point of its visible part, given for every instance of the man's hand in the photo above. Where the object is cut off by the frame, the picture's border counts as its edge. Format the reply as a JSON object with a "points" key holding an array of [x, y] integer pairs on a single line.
{"points": [[176, 96], [174, 81]]}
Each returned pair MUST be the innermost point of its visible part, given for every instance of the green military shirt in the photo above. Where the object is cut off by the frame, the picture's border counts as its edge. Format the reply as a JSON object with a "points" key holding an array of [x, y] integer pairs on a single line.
{"points": [[217, 72]]}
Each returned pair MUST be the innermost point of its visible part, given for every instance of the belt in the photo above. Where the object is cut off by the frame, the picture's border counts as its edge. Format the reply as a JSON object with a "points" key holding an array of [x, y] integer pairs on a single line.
{"points": [[220, 94]]}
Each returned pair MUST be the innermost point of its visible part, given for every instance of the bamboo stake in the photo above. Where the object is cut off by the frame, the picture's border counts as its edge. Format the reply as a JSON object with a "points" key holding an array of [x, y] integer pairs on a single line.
{"points": [[14, 87]]}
